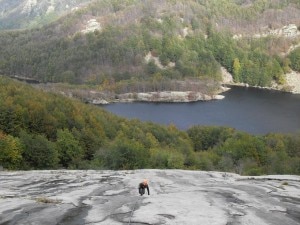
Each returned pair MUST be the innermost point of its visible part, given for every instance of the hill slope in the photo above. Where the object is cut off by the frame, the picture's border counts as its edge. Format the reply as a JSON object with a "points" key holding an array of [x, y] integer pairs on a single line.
{"points": [[107, 42], [39, 130]]}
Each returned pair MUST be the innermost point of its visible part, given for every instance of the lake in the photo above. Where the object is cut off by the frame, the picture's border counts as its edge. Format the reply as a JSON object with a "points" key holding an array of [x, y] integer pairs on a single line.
{"points": [[255, 111]]}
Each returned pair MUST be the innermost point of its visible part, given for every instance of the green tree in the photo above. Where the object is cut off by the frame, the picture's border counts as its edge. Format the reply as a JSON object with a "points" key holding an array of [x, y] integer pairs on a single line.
{"points": [[292, 144], [10, 116], [294, 57], [126, 154], [158, 158], [206, 160], [69, 150], [10, 151], [151, 67], [205, 137], [172, 48], [67, 77], [39, 152], [242, 149], [286, 65], [236, 69], [175, 160], [275, 71]]}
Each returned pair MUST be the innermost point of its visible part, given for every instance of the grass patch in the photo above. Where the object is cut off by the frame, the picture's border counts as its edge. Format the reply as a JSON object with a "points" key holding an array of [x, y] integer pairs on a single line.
{"points": [[47, 200]]}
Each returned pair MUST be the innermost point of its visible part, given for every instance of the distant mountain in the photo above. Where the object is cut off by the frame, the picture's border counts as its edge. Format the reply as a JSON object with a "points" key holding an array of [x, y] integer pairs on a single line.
{"points": [[132, 44], [22, 14], [239, 16]]}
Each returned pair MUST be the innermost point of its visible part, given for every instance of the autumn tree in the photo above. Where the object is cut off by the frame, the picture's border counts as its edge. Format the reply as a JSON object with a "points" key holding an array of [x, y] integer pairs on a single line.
{"points": [[10, 151], [236, 69]]}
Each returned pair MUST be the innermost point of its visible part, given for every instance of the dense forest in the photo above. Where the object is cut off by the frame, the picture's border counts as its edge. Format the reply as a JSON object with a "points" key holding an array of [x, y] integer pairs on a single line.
{"points": [[40, 130], [196, 37], [187, 42]]}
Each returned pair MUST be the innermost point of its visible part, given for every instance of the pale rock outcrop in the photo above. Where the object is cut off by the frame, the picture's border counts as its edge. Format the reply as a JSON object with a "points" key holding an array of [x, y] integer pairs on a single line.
{"points": [[91, 26], [157, 62], [29, 5], [50, 9], [159, 20], [99, 102], [184, 32], [293, 81], [226, 76], [168, 96], [289, 31]]}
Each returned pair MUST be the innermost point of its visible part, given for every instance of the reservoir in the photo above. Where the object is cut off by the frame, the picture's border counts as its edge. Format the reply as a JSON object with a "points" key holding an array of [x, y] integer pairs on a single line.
{"points": [[255, 111]]}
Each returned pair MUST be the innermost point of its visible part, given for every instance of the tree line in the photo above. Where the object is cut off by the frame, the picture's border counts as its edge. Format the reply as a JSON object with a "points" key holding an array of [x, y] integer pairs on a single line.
{"points": [[41, 130]]}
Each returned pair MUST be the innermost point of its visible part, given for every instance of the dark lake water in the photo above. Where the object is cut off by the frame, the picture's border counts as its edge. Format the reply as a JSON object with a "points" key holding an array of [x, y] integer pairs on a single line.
{"points": [[248, 109]]}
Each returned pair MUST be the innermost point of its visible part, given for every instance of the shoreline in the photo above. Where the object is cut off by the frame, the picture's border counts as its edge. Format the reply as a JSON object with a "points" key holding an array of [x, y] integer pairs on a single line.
{"points": [[180, 97], [168, 97], [292, 86], [257, 87], [163, 97], [159, 97], [94, 97]]}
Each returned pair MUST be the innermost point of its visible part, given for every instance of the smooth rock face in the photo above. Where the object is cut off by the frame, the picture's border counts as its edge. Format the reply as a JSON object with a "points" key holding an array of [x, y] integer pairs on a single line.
{"points": [[293, 80], [176, 197]]}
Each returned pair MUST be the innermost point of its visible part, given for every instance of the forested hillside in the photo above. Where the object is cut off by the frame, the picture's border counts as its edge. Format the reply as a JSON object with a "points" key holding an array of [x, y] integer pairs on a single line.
{"points": [[41, 130], [140, 46], [105, 43]]}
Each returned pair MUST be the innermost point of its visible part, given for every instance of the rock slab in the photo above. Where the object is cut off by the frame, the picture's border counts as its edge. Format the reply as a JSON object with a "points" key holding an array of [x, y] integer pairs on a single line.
{"points": [[176, 197]]}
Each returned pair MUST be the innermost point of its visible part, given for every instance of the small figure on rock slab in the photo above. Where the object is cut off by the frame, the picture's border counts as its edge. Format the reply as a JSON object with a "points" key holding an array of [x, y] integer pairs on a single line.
{"points": [[142, 187]]}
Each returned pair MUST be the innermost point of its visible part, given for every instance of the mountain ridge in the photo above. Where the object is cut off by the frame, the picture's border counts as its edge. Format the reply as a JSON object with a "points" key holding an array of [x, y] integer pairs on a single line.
{"points": [[23, 14], [106, 44]]}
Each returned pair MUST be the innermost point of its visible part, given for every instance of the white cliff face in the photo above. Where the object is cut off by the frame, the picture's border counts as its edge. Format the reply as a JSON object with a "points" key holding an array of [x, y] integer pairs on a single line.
{"points": [[51, 7], [176, 197], [226, 76], [288, 31], [293, 81], [91, 26], [29, 5]]}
